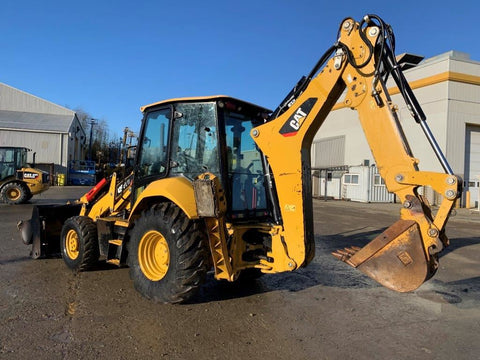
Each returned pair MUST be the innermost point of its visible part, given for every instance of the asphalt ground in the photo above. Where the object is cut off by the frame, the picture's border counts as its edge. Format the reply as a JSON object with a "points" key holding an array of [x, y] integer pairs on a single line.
{"points": [[327, 310]]}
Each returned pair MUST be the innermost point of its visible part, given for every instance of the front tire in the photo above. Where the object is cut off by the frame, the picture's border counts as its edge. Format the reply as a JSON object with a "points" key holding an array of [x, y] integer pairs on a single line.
{"points": [[15, 193], [79, 244], [167, 255]]}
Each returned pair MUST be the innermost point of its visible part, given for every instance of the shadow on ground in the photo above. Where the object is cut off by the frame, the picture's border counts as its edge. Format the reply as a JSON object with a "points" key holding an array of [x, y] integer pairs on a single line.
{"points": [[327, 271]]}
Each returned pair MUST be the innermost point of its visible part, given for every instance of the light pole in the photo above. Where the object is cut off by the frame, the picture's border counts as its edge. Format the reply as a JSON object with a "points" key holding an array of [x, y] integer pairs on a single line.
{"points": [[92, 122]]}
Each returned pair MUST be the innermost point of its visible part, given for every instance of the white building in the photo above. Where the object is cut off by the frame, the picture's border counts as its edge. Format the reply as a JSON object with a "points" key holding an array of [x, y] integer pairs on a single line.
{"points": [[53, 132], [448, 89]]}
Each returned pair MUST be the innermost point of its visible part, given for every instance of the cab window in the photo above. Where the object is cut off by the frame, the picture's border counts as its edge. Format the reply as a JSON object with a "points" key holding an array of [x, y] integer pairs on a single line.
{"points": [[153, 156]]}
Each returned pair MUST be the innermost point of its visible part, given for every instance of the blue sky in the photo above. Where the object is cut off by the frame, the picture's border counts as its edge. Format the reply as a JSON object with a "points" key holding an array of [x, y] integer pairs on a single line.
{"points": [[111, 57]]}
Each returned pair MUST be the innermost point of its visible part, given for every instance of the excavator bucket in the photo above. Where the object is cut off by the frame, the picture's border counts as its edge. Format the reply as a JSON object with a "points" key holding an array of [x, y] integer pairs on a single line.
{"points": [[43, 230], [396, 258]]}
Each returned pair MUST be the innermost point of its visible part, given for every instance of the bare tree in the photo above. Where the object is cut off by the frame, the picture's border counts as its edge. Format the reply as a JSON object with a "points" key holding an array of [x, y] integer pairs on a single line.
{"points": [[99, 130]]}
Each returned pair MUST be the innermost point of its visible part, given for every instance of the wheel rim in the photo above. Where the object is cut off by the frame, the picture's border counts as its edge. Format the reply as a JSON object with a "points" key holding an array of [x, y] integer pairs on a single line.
{"points": [[71, 244], [13, 194], [153, 255]]}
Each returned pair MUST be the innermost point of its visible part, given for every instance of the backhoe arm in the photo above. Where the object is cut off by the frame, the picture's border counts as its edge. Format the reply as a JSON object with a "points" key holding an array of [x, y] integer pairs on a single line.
{"points": [[405, 255]]}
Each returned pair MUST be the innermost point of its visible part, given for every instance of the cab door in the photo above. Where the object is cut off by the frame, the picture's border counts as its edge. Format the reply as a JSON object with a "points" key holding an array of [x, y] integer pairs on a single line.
{"points": [[153, 148]]}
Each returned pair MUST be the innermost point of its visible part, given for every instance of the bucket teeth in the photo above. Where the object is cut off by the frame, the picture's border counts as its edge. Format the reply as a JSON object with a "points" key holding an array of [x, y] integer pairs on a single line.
{"points": [[338, 256], [346, 253]]}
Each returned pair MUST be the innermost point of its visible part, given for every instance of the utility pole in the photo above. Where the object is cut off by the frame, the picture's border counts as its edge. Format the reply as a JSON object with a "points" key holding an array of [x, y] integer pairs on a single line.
{"points": [[92, 122]]}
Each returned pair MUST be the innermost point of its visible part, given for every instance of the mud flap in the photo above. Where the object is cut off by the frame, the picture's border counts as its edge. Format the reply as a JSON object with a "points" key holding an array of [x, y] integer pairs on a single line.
{"points": [[43, 230], [396, 258]]}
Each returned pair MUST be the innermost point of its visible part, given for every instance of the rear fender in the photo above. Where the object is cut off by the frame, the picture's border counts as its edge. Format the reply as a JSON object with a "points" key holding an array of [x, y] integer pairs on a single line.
{"points": [[33, 178], [178, 190]]}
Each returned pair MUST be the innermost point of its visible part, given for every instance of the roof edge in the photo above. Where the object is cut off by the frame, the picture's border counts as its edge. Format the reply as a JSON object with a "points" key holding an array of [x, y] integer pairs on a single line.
{"points": [[199, 98], [39, 98]]}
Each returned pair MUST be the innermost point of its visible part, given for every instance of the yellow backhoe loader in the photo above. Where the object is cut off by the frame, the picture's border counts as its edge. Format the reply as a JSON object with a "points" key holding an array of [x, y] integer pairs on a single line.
{"points": [[219, 182], [18, 180]]}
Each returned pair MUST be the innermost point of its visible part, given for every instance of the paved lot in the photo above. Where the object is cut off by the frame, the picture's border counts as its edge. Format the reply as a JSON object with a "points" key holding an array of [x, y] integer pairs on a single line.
{"points": [[325, 311]]}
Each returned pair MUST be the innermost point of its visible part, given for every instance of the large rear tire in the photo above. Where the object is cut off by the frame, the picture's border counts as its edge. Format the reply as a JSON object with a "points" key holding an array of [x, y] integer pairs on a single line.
{"points": [[15, 193], [167, 254], [79, 244]]}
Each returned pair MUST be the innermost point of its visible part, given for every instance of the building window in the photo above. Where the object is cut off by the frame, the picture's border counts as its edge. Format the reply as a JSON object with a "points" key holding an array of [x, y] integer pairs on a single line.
{"points": [[378, 180], [350, 179]]}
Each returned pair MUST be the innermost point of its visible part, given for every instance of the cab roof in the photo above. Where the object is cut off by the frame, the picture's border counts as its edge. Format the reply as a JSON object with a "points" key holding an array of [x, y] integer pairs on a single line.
{"points": [[202, 99]]}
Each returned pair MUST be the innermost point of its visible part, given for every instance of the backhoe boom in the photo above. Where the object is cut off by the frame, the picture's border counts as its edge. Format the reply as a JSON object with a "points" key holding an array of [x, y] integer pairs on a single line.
{"points": [[405, 255]]}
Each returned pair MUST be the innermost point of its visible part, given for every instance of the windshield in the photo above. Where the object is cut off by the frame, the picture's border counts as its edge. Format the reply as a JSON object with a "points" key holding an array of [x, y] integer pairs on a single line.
{"points": [[245, 170], [194, 140]]}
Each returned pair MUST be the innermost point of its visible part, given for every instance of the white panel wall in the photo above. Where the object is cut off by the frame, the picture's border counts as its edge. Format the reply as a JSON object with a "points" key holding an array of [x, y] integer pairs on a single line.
{"points": [[344, 122], [46, 145], [464, 109], [448, 105], [472, 164], [434, 103], [328, 152]]}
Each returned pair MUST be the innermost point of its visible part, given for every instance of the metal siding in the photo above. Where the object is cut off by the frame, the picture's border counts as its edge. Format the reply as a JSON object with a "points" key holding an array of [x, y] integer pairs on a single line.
{"points": [[364, 191], [357, 192], [16, 100], [467, 93], [35, 121], [464, 108], [465, 65], [44, 144], [456, 128], [474, 153], [449, 106], [48, 129], [329, 152], [472, 164], [434, 102], [378, 193], [428, 67]]}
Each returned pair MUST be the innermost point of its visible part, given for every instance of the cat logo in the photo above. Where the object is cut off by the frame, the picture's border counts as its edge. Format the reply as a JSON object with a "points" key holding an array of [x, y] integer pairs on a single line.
{"points": [[123, 185], [30, 175], [298, 118], [295, 121]]}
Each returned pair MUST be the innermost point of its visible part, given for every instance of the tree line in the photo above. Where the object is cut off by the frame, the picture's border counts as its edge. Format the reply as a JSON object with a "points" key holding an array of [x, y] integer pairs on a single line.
{"points": [[104, 147]]}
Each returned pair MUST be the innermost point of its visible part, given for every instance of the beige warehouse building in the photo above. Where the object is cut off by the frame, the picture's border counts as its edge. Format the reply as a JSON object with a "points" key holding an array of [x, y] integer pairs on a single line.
{"points": [[448, 89], [51, 131]]}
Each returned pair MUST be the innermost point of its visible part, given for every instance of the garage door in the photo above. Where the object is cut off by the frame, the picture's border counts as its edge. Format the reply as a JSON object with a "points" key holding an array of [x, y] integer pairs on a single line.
{"points": [[472, 163]]}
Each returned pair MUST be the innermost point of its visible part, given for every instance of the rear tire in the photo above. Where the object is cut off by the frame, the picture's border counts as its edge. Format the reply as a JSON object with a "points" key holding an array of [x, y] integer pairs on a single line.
{"points": [[79, 244], [167, 255], [15, 193]]}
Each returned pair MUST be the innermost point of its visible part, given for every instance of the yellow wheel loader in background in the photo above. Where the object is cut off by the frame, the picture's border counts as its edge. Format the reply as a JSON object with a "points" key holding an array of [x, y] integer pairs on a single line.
{"points": [[219, 182], [19, 181]]}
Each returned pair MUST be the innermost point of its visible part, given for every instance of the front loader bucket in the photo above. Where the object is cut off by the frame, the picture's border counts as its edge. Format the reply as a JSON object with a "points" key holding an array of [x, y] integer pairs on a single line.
{"points": [[43, 230], [396, 258]]}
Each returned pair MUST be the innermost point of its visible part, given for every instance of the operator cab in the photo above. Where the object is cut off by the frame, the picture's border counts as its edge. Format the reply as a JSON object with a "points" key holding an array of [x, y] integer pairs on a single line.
{"points": [[11, 160], [191, 136]]}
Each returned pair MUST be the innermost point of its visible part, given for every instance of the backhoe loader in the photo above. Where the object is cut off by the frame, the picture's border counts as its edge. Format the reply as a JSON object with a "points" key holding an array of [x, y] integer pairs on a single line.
{"points": [[225, 184], [19, 181]]}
